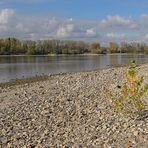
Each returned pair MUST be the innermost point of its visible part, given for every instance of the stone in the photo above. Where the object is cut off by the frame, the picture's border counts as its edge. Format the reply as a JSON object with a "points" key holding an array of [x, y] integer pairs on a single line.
{"points": [[136, 133], [72, 112]]}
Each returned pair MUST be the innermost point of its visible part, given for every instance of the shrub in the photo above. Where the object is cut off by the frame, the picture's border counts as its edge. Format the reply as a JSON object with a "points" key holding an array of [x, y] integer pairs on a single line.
{"points": [[131, 101]]}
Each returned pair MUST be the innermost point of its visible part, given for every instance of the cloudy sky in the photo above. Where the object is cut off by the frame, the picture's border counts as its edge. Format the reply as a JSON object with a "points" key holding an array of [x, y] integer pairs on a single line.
{"points": [[90, 20]]}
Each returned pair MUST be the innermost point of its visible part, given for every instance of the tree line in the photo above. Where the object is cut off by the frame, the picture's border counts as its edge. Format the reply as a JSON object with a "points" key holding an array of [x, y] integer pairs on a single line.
{"points": [[13, 46]]}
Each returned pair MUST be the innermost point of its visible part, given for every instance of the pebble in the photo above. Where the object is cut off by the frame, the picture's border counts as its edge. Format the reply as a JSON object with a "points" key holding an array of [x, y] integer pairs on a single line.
{"points": [[136, 133], [69, 110]]}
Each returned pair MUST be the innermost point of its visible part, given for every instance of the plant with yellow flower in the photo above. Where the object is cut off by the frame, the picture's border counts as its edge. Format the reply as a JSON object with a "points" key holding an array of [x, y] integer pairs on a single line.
{"points": [[131, 101]]}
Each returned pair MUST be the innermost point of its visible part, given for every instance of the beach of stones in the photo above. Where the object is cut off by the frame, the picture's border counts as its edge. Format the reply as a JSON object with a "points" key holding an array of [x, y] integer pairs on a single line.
{"points": [[69, 110]]}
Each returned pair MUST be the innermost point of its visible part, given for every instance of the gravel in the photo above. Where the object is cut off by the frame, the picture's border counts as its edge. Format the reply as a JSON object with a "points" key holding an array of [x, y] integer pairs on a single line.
{"points": [[69, 110]]}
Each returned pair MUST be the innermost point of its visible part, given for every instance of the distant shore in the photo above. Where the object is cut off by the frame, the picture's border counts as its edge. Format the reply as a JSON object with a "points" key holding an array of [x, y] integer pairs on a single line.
{"points": [[76, 54]]}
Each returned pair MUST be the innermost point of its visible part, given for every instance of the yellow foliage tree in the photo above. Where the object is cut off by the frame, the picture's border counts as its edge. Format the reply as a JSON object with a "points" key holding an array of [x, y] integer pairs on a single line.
{"points": [[95, 48], [132, 93], [113, 47]]}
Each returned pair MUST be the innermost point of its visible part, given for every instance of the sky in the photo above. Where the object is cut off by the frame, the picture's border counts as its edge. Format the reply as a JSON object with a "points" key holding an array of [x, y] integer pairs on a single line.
{"points": [[89, 20]]}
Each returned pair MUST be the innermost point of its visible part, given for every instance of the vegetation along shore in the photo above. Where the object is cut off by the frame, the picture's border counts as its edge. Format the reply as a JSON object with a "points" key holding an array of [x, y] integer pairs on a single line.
{"points": [[13, 46], [70, 110]]}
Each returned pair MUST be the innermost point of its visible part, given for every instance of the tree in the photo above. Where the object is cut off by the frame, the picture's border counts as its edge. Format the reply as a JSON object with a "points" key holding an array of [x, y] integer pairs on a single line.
{"points": [[113, 47], [95, 48]]}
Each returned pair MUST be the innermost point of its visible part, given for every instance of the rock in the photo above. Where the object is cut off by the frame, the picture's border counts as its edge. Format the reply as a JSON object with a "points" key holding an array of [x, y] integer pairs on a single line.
{"points": [[3, 139], [68, 110], [136, 133]]}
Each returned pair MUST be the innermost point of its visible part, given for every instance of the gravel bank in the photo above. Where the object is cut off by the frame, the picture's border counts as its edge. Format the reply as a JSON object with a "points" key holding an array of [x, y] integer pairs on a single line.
{"points": [[69, 110]]}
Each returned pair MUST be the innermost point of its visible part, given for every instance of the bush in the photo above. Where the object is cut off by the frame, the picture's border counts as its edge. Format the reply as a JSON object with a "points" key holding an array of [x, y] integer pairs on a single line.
{"points": [[131, 101]]}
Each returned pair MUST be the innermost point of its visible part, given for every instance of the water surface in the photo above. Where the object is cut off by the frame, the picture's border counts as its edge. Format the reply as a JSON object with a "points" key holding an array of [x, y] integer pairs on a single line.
{"points": [[12, 67]]}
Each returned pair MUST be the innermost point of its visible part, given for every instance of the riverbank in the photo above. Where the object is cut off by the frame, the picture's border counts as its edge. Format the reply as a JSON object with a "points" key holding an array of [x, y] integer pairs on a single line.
{"points": [[78, 54], [69, 110]]}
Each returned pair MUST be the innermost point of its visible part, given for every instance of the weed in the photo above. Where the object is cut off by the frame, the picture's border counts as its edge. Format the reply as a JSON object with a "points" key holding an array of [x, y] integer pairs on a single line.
{"points": [[131, 101]]}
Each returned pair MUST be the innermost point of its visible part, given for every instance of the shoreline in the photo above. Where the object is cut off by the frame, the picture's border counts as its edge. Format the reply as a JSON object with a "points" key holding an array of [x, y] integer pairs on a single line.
{"points": [[85, 54], [69, 110], [37, 78]]}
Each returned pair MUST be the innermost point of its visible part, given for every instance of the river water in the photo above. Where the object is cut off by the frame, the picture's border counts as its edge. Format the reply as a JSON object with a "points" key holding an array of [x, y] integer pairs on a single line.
{"points": [[12, 67]]}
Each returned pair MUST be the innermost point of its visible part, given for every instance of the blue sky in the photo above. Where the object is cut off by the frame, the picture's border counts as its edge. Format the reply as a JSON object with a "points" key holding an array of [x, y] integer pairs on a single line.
{"points": [[91, 20], [88, 9]]}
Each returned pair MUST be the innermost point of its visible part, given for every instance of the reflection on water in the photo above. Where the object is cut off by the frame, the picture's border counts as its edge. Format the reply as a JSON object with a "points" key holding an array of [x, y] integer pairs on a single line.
{"points": [[12, 67]]}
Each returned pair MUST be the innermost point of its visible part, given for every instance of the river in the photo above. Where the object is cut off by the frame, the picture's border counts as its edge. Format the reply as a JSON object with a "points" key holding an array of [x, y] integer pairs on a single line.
{"points": [[12, 67]]}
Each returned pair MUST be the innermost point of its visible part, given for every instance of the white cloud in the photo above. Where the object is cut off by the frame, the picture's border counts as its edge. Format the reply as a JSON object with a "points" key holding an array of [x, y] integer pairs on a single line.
{"points": [[144, 17], [20, 27], [118, 21], [110, 35], [5, 15], [90, 32], [65, 31], [53, 22], [113, 36], [134, 26], [70, 19], [146, 37], [45, 26]]}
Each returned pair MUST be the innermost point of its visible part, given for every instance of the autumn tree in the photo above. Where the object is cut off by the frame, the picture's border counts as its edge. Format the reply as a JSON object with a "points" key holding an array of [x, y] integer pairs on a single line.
{"points": [[11, 46], [95, 48], [113, 47]]}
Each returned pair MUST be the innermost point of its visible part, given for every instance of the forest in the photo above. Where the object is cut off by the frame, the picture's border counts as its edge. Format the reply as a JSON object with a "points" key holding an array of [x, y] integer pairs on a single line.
{"points": [[13, 46]]}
